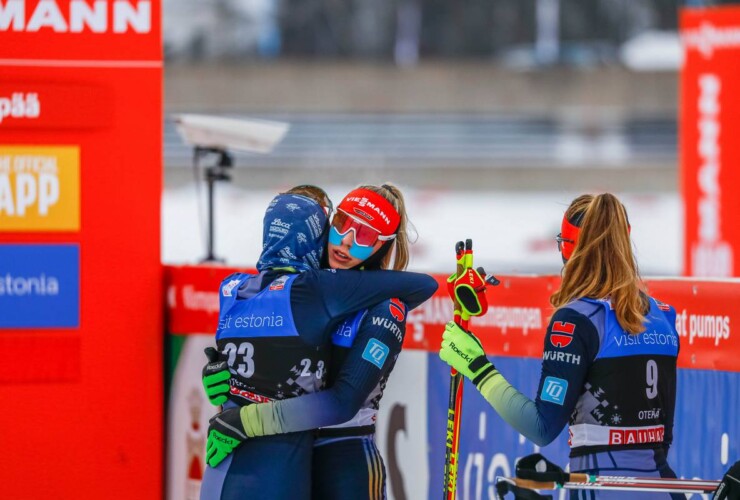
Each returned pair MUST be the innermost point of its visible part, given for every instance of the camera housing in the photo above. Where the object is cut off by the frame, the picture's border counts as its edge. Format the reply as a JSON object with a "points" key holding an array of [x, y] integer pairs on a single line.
{"points": [[236, 134]]}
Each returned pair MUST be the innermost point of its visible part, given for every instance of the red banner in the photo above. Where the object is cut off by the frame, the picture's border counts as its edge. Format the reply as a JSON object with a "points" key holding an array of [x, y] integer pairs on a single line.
{"points": [[192, 297], [710, 125], [518, 314], [81, 301]]}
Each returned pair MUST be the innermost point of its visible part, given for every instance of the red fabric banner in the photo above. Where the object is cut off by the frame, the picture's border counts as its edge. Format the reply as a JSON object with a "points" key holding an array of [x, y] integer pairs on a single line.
{"points": [[81, 166], [709, 151], [518, 314]]}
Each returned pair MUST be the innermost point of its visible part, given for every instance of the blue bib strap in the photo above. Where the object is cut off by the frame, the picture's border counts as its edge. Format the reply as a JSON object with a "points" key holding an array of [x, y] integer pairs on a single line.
{"points": [[659, 337], [344, 335], [265, 314]]}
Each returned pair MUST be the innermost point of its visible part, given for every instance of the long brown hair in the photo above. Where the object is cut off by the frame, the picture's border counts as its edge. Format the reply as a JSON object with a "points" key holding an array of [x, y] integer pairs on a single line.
{"points": [[603, 265], [399, 251]]}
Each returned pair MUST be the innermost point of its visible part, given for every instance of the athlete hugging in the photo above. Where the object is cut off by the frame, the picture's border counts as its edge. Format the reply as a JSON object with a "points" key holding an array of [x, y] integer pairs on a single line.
{"points": [[325, 363]]}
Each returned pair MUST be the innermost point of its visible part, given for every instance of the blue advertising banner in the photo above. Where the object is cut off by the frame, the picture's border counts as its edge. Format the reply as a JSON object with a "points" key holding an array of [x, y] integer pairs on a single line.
{"points": [[706, 433], [40, 286]]}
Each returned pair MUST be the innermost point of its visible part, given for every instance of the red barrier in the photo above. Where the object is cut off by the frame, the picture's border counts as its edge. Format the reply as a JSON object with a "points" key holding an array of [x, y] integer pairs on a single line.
{"points": [[80, 190], [517, 317]]}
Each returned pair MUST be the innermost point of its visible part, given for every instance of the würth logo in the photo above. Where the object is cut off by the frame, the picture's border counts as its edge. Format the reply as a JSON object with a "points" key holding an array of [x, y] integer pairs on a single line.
{"points": [[562, 333], [397, 310]]}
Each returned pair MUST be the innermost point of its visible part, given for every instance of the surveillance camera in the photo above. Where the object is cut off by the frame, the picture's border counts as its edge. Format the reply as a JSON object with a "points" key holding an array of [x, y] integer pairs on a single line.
{"points": [[215, 132]]}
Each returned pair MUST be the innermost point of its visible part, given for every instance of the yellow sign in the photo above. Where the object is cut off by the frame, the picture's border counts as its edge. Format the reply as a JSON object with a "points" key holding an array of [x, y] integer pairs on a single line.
{"points": [[39, 188]]}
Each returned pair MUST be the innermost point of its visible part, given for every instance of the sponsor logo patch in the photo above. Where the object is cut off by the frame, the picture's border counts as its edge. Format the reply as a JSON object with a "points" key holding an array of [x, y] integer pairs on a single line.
{"points": [[562, 333], [553, 390], [563, 357], [249, 395], [228, 287], [278, 284], [376, 352], [364, 214], [636, 436], [397, 310]]}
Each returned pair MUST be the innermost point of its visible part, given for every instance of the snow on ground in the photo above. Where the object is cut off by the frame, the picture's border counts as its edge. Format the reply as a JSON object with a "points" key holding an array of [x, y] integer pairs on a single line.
{"points": [[512, 232]]}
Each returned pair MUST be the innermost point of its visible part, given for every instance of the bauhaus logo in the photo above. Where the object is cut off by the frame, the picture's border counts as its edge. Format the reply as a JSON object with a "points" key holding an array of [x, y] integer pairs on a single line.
{"points": [[39, 286], [39, 188], [76, 16]]}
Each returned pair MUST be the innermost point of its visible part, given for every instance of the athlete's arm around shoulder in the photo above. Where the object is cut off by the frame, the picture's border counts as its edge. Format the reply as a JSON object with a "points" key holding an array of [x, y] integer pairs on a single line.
{"points": [[372, 354], [346, 291]]}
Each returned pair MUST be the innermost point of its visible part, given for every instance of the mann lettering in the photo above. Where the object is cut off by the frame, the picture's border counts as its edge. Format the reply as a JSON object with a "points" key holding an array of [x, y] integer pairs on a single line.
{"points": [[100, 16], [365, 203]]}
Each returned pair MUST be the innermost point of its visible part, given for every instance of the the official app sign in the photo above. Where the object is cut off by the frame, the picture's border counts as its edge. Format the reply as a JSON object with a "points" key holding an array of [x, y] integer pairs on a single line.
{"points": [[39, 188], [40, 286]]}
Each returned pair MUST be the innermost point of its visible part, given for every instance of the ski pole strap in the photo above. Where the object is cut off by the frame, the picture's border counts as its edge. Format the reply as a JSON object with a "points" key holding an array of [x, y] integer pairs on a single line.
{"points": [[537, 468], [477, 364], [505, 485]]}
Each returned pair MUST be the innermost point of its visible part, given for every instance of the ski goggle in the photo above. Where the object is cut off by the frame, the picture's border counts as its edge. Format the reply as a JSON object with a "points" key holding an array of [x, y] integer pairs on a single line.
{"points": [[364, 236], [567, 238]]}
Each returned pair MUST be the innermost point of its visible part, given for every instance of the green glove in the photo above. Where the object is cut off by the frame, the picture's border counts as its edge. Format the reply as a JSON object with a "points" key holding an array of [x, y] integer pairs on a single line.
{"points": [[216, 377], [463, 352], [225, 433]]}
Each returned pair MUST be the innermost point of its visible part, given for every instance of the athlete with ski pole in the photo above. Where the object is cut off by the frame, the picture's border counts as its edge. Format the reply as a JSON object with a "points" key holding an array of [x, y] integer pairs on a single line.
{"points": [[609, 363], [466, 287]]}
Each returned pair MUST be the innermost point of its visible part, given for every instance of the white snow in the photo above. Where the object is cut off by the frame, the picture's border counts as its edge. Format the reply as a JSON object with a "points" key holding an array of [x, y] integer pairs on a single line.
{"points": [[512, 232]]}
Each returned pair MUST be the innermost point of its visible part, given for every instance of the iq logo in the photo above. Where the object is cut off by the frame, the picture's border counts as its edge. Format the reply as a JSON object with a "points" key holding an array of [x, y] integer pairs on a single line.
{"points": [[376, 352], [39, 188], [553, 390], [39, 286]]}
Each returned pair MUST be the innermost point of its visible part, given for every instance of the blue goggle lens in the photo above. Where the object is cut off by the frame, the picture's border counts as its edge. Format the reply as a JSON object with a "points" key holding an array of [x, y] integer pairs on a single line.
{"points": [[356, 251]]}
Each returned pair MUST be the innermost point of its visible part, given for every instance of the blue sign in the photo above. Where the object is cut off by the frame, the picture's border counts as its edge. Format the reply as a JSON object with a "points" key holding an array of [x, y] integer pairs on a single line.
{"points": [[40, 286]]}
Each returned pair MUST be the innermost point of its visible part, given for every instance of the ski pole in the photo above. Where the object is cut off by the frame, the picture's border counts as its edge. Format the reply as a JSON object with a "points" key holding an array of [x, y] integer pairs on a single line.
{"points": [[454, 403], [466, 305], [619, 483]]}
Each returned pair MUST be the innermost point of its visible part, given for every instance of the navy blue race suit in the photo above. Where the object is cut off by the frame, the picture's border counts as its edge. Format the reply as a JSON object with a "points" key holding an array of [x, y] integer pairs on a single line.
{"points": [[275, 328], [616, 391]]}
